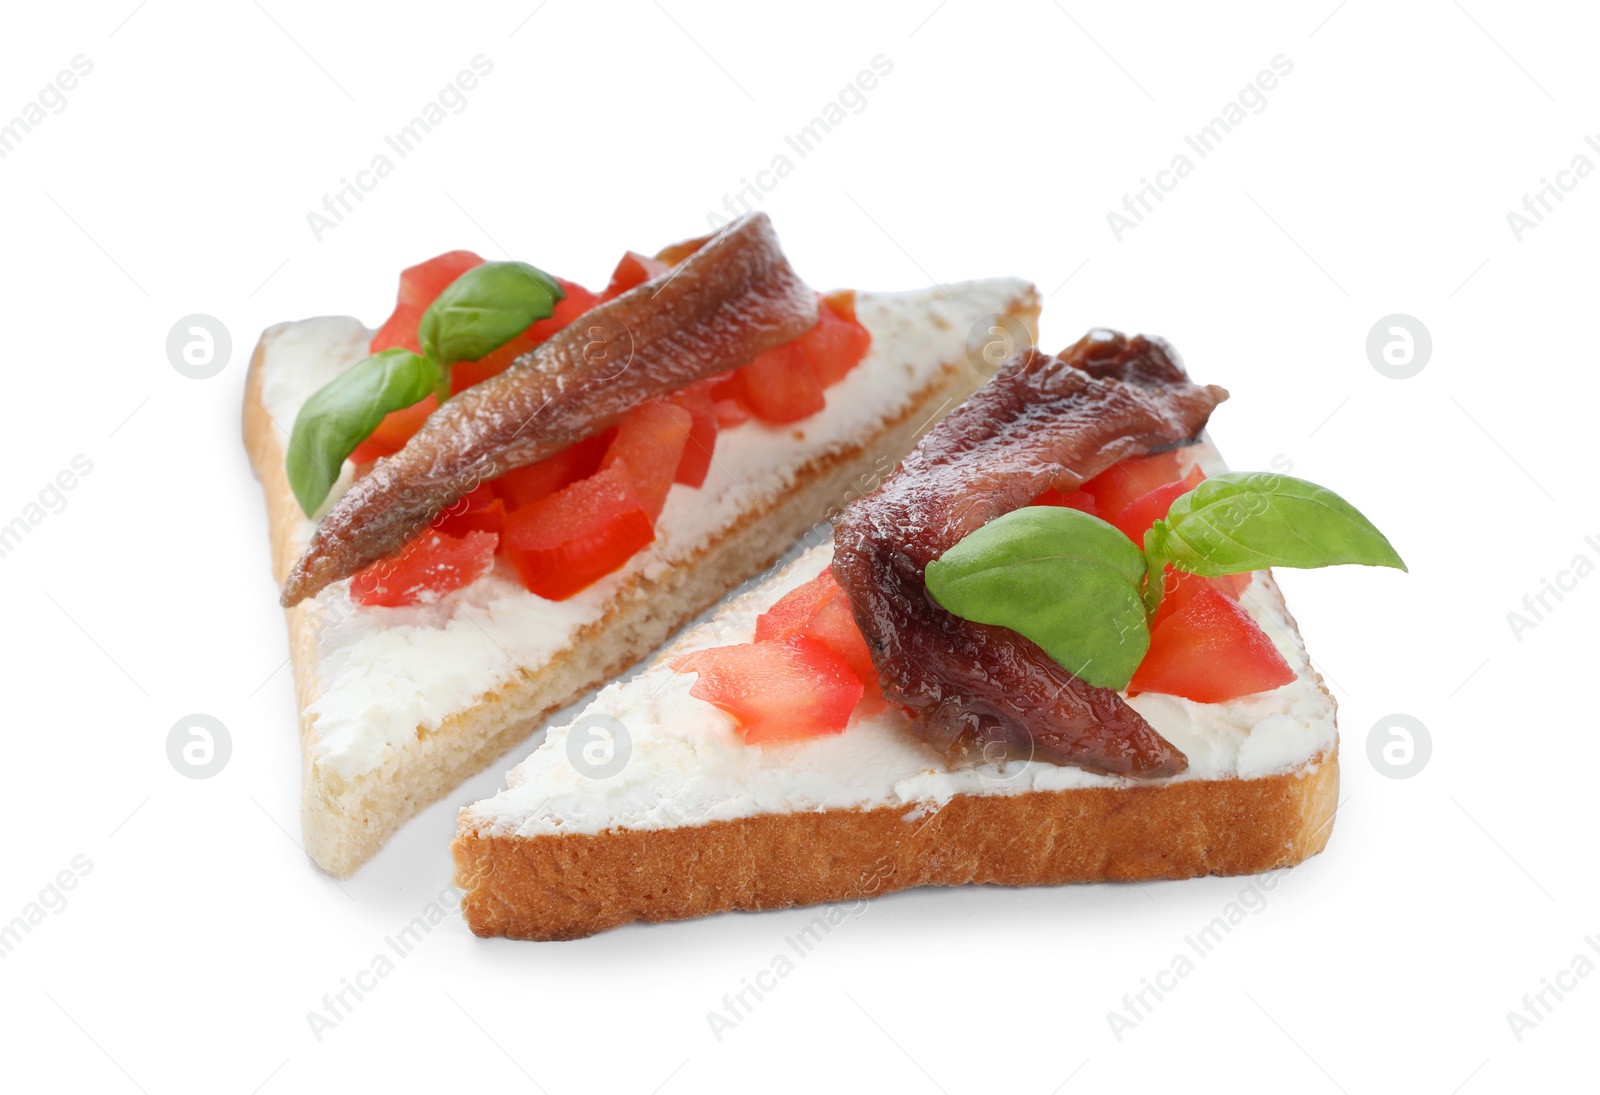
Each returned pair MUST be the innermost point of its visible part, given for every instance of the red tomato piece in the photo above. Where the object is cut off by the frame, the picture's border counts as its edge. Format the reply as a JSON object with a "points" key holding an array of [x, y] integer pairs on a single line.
{"points": [[780, 386], [1138, 515], [702, 443], [649, 446], [843, 302], [571, 539], [464, 374], [531, 482], [1078, 499], [1121, 483], [790, 614], [834, 346], [633, 270], [777, 691], [394, 431], [477, 511], [1210, 651], [1181, 586], [420, 284], [731, 413], [399, 330], [435, 562], [819, 610]]}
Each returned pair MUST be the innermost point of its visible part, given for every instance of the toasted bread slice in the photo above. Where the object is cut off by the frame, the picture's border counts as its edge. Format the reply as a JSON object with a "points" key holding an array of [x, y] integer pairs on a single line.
{"points": [[687, 819], [399, 705]]}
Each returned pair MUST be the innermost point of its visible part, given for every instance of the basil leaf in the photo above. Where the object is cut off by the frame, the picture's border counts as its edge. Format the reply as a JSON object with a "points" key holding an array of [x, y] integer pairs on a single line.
{"points": [[1066, 580], [485, 308], [345, 411], [1243, 521]]}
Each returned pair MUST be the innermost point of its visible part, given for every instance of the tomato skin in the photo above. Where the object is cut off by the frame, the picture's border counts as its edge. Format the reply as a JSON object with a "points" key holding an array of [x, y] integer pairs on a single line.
{"points": [[477, 511], [776, 691], [528, 484], [1181, 586], [791, 612], [1138, 515], [834, 346], [1210, 651], [394, 431], [780, 386], [433, 563], [820, 610], [1078, 500], [464, 374], [633, 270], [420, 284], [567, 541], [1121, 483], [399, 330], [649, 445], [701, 446]]}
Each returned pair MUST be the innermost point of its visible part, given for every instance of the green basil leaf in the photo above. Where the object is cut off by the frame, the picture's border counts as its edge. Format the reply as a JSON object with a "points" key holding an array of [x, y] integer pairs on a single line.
{"points": [[345, 411], [485, 308], [1243, 521], [1066, 580]]}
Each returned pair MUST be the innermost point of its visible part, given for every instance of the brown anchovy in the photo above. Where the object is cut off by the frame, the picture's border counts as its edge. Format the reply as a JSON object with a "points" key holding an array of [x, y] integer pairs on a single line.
{"points": [[1042, 422], [731, 299]]}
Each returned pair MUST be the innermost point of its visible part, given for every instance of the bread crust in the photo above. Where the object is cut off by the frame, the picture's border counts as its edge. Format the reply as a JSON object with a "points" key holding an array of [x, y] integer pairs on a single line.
{"points": [[345, 822], [572, 885]]}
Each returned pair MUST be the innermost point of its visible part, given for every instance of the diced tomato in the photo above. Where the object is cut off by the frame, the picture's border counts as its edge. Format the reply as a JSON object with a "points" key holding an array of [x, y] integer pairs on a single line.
{"points": [[528, 484], [477, 511], [649, 446], [1138, 515], [1210, 651], [834, 626], [435, 562], [731, 413], [1181, 586], [791, 612], [777, 691], [420, 284], [819, 610], [394, 431], [399, 330], [702, 443], [843, 302], [633, 270], [1121, 483], [835, 345], [464, 374], [780, 386], [569, 540], [1078, 499]]}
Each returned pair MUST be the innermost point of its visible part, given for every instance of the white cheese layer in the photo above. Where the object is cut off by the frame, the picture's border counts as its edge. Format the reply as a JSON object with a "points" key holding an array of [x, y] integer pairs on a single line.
{"points": [[686, 764], [386, 673]]}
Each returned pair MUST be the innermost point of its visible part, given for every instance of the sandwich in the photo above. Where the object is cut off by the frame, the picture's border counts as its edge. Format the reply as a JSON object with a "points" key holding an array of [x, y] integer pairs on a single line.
{"points": [[515, 488], [1048, 648]]}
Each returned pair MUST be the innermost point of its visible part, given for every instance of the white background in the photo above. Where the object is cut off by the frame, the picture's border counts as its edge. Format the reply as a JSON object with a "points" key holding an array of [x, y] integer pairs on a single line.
{"points": [[1377, 180]]}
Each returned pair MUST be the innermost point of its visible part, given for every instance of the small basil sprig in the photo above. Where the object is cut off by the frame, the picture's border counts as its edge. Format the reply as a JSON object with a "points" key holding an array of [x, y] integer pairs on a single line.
{"points": [[344, 412], [1064, 579], [479, 312], [482, 310]]}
